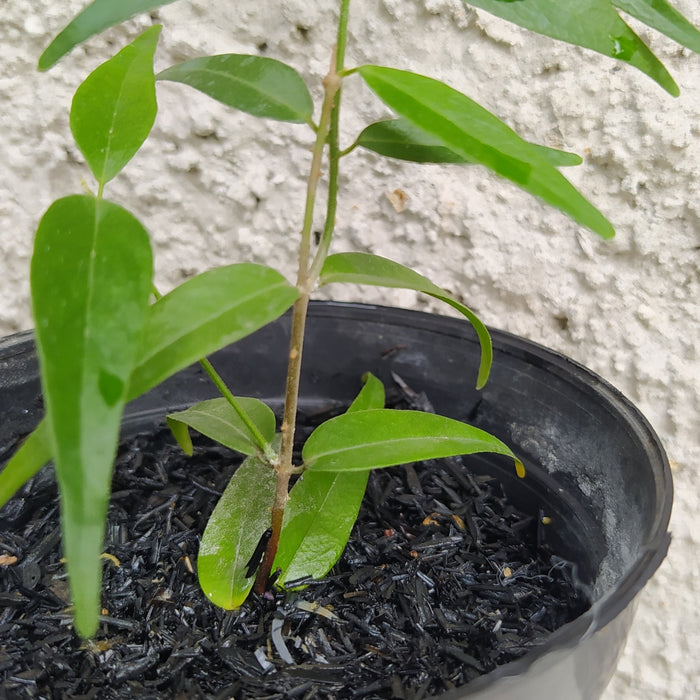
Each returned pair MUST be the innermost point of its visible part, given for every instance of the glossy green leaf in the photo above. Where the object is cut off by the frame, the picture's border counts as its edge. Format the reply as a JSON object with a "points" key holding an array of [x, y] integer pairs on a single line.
{"points": [[31, 456], [238, 522], [363, 268], [95, 18], [318, 520], [372, 395], [665, 18], [593, 24], [398, 138], [218, 420], [322, 509], [382, 438], [260, 86], [91, 277], [474, 133], [204, 314], [115, 107]]}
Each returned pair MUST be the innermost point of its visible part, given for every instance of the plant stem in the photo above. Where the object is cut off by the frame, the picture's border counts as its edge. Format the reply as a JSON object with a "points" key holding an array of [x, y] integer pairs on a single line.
{"points": [[334, 153], [267, 453], [307, 276]]}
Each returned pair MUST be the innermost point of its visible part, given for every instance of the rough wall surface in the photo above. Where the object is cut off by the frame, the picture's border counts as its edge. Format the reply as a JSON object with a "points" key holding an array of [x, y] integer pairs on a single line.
{"points": [[215, 186]]}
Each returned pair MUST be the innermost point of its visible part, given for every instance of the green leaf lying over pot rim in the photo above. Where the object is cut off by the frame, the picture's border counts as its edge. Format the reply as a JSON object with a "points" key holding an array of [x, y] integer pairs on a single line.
{"points": [[202, 315], [180, 329], [364, 268], [31, 456]]}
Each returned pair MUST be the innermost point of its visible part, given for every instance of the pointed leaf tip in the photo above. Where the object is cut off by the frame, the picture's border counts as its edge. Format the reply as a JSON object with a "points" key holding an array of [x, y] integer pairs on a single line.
{"points": [[202, 315], [597, 25], [218, 420]]}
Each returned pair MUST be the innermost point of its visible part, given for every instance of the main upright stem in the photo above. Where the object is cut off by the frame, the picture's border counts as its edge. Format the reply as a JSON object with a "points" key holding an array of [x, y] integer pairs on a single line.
{"points": [[307, 276]]}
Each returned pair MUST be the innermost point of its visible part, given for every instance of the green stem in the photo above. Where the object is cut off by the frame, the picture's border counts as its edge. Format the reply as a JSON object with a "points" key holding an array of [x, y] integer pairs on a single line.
{"points": [[267, 453], [307, 277], [332, 204], [334, 153], [265, 447], [347, 151], [342, 35]]}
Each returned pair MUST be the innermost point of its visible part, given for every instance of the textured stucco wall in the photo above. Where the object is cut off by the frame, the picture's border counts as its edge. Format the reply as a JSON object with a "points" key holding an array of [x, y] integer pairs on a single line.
{"points": [[215, 186]]}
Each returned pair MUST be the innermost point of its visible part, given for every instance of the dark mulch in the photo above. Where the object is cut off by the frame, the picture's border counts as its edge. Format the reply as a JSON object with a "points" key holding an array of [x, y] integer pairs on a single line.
{"points": [[442, 581]]}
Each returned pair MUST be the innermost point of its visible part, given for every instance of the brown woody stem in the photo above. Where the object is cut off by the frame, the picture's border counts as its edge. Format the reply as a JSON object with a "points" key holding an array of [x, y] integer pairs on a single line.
{"points": [[306, 279]]}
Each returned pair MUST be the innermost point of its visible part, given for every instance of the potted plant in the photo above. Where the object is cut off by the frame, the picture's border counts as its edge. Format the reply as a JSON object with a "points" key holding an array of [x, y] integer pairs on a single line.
{"points": [[96, 355]]}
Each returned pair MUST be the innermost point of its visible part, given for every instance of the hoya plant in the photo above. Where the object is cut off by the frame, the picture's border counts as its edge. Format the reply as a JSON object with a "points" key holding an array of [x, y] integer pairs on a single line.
{"points": [[106, 335]]}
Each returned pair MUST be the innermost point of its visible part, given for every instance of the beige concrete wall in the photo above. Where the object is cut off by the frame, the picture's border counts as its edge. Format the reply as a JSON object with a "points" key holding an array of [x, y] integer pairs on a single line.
{"points": [[215, 186]]}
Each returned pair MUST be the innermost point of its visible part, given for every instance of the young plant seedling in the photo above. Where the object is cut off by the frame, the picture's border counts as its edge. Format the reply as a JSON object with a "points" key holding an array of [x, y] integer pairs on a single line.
{"points": [[105, 335]]}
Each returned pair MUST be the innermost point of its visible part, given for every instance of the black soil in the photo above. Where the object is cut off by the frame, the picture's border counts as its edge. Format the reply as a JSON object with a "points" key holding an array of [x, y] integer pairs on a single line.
{"points": [[442, 581]]}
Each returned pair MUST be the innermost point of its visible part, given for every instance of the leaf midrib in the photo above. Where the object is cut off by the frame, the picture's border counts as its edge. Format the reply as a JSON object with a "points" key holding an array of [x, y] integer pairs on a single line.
{"points": [[388, 442]]}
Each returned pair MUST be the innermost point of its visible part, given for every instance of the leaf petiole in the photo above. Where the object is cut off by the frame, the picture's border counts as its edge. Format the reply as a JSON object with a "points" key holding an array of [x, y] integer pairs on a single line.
{"points": [[267, 453]]}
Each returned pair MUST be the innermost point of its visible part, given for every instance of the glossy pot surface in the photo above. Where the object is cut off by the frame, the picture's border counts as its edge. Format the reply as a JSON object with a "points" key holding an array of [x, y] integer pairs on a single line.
{"points": [[595, 467]]}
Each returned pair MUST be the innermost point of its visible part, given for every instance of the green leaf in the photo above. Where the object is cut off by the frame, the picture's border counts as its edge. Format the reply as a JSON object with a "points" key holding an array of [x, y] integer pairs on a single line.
{"points": [[95, 18], [31, 456], [181, 433], [474, 133], [593, 24], [218, 420], [557, 158], [115, 107], [260, 86], [664, 18], [204, 314], [91, 277], [318, 519], [363, 268], [238, 522], [373, 439], [322, 509], [398, 138], [372, 394]]}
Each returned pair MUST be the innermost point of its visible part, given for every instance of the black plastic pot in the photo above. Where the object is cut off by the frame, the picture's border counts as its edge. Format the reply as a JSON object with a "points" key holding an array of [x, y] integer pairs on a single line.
{"points": [[595, 467]]}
